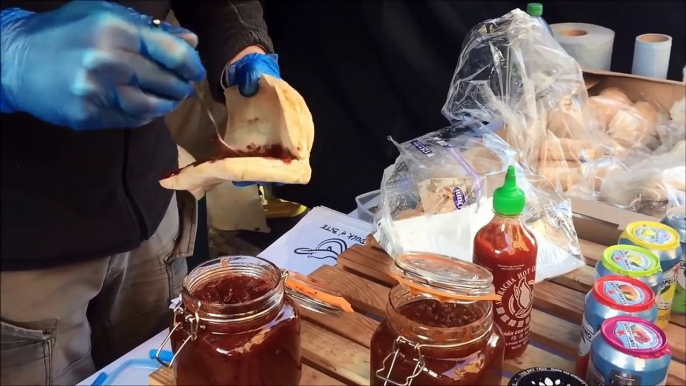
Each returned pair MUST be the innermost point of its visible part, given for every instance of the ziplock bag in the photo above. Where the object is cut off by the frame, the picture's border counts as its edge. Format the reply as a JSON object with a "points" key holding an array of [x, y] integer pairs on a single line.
{"points": [[438, 194]]}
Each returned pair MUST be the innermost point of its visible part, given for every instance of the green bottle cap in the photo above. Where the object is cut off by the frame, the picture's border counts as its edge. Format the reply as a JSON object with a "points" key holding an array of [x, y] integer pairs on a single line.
{"points": [[508, 200], [534, 9]]}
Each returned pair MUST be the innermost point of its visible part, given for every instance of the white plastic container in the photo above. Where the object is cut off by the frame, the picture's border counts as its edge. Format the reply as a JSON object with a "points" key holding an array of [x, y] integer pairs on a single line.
{"points": [[367, 205]]}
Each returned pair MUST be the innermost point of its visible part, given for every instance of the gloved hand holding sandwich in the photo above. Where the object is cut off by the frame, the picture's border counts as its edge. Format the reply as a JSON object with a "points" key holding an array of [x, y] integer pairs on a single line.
{"points": [[269, 131]]}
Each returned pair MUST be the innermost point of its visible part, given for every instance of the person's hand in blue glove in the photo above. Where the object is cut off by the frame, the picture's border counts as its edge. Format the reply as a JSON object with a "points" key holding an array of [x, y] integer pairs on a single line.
{"points": [[93, 65], [245, 74]]}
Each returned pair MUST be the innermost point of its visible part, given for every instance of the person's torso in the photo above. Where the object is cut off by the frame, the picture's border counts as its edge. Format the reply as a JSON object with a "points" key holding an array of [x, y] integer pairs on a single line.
{"points": [[70, 196]]}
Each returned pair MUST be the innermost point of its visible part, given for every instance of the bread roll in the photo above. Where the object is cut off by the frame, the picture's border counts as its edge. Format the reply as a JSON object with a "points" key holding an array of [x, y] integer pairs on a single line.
{"points": [[561, 149], [567, 120], [629, 128], [565, 176], [616, 95], [646, 111]]}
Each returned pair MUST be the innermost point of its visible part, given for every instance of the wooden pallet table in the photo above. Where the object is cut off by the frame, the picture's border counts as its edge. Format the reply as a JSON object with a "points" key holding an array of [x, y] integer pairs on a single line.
{"points": [[335, 348]]}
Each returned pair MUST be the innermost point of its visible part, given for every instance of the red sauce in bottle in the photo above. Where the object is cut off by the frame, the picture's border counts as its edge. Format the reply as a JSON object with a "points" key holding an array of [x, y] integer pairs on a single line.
{"points": [[259, 350], [470, 352], [508, 249]]}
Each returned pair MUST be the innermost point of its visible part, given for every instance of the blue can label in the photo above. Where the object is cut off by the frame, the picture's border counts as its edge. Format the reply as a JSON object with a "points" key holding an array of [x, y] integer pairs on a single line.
{"points": [[652, 235], [630, 260], [624, 293], [422, 148], [637, 336], [593, 376]]}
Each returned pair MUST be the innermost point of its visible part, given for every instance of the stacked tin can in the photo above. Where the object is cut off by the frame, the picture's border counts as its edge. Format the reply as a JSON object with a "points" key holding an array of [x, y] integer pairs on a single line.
{"points": [[612, 296], [663, 241], [629, 351], [631, 261], [676, 218]]}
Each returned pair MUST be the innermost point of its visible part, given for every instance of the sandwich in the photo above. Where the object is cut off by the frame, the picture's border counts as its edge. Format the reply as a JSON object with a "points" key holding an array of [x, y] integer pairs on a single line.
{"points": [[268, 138]]}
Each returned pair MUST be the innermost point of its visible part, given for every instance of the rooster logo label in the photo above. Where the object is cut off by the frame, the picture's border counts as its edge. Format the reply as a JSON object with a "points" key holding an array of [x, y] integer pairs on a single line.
{"points": [[327, 249], [520, 304]]}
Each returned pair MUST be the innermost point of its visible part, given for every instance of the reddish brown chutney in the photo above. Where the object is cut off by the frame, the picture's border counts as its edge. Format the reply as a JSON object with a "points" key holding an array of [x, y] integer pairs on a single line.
{"points": [[477, 363], [263, 351], [223, 152], [433, 313], [232, 290]]}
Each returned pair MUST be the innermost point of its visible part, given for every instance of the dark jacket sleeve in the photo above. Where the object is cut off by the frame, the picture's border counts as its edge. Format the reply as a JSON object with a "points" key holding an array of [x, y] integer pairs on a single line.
{"points": [[224, 29]]}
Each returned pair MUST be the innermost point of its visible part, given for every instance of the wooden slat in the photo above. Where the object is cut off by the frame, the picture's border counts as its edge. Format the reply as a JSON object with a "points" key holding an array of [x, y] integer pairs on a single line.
{"points": [[311, 377], [549, 297], [358, 291], [591, 251], [334, 355], [580, 279], [678, 320]]}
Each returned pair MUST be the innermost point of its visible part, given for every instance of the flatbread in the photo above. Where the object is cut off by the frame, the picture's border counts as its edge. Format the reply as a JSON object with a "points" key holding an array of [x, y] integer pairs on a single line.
{"points": [[185, 159], [276, 116]]}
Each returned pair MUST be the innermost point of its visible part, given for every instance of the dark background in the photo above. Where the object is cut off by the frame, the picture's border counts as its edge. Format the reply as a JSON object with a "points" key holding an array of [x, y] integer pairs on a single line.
{"points": [[369, 69]]}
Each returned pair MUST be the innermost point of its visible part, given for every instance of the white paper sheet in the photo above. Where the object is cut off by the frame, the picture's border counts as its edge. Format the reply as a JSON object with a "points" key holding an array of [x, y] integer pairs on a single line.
{"points": [[316, 240]]}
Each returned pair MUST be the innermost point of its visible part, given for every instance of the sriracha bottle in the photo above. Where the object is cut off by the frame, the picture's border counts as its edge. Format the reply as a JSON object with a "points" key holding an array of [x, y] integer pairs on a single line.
{"points": [[508, 249]]}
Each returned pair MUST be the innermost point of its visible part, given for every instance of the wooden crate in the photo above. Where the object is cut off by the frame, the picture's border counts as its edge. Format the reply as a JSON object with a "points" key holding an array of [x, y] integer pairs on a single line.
{"points": [[336, 348]]}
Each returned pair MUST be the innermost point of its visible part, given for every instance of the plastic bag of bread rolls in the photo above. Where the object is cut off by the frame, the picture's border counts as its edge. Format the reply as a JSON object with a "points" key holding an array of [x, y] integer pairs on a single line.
{"points": [[650, 186]]}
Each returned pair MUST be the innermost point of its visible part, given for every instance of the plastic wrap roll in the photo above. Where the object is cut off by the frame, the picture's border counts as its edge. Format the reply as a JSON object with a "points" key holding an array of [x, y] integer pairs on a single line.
{"points": [[651, 55], [589, 44]]}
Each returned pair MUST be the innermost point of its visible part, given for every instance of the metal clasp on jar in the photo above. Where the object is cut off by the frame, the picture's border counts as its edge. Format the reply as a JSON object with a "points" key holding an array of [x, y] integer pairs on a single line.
{"points": [[418, 368], [193, 320]]}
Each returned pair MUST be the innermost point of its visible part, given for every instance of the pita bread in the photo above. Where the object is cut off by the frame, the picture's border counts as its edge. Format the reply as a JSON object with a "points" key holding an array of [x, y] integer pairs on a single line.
{"points": [[185, 159], [276, 117]]}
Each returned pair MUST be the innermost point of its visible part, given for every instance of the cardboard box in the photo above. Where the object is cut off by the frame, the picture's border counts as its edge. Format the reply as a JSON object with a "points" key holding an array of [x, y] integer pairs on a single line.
{"points": [[603, 223], [664, 92]]}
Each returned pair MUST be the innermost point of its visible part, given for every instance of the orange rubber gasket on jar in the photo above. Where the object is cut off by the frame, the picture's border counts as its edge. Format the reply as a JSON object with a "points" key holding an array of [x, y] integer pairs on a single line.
{"points": [[313, 289]]}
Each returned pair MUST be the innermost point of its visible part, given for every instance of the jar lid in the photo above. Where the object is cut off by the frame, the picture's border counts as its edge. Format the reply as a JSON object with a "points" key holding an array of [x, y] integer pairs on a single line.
{"points": [[630, 260], [635, 337], [443, 276], [313, 295], [652, 235], [623, 293], [545, 376]]}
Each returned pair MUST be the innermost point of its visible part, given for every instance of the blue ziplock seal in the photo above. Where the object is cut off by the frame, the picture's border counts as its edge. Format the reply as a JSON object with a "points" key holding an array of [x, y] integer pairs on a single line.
{"points": [[459, 198], [111, 378], [477, 184]]}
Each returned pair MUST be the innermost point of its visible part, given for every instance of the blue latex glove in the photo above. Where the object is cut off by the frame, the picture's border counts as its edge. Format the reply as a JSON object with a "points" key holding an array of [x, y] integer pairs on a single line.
{"points": [[245, 73], [93, 65]]}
